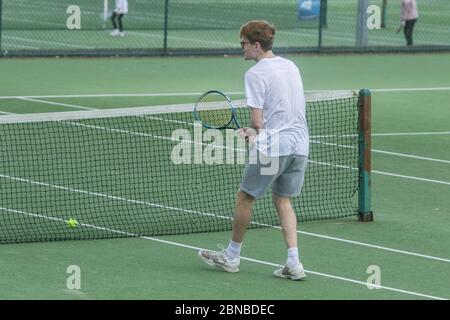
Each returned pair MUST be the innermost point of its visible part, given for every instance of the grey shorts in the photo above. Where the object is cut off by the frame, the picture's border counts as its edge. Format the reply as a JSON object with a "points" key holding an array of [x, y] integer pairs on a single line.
{"points": [[286, 176]]}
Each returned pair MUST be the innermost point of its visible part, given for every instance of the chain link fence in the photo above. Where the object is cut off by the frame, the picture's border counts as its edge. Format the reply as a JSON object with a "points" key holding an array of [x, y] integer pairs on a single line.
{"points": [[186, 27]]}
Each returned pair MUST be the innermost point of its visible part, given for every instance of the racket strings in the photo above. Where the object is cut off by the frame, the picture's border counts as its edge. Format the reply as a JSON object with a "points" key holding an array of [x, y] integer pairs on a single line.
{"points": [[215, 114]]}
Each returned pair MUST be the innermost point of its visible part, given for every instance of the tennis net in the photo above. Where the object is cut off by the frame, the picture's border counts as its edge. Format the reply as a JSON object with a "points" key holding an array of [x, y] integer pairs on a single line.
{"points": [[152, 171]]}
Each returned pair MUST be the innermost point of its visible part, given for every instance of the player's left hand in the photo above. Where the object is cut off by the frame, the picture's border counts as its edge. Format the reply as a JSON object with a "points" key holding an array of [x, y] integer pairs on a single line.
{"points": [[248, 134]]}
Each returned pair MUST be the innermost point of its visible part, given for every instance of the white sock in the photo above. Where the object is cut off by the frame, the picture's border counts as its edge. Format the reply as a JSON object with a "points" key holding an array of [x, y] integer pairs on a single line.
{"points": [[292, 259], [234, 250]]}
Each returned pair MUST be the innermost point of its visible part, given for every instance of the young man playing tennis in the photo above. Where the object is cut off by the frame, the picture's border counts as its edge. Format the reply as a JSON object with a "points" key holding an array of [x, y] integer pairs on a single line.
{"points": [[274, 92]]}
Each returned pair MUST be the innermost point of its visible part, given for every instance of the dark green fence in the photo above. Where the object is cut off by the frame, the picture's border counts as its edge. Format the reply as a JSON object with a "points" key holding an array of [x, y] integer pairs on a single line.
{"points": [[171, 27]]}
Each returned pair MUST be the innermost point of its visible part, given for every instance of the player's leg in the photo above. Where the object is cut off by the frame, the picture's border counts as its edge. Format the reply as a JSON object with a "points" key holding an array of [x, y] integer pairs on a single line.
{"points": [[229, 259], [119, 18], [253, 186], [413, 22], [285, 187], [256, 179], [288, 219], [242, 216], [408, 32], [293, 269], [115, 31]]}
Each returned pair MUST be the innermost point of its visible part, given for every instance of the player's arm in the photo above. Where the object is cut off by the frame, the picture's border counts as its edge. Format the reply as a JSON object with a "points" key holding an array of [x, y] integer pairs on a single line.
{"points": [[254, 92], [256, 116], [256, 124]]}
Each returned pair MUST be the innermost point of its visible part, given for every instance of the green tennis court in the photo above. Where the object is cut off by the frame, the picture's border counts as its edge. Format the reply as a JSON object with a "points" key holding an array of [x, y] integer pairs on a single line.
{"points": [[407, 242]]}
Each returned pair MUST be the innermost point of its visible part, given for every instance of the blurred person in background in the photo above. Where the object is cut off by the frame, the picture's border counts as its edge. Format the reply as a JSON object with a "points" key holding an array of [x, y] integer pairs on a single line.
{"points": [[116, 18], [408, 18]]}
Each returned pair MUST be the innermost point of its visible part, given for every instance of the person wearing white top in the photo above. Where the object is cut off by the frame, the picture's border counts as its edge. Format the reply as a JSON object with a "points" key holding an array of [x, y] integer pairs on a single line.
{"points": [[278, 133], [275, 86], [408, 18], [117, 16]]}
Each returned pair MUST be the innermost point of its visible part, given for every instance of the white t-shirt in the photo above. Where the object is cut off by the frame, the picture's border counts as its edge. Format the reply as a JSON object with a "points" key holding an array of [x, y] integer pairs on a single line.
{"points": [[276, 86], [408, 10], [121, 6]]}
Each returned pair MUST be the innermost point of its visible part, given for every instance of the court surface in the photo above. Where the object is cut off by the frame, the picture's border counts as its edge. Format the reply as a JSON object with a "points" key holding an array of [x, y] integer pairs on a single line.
{"points": [[408, 241]]}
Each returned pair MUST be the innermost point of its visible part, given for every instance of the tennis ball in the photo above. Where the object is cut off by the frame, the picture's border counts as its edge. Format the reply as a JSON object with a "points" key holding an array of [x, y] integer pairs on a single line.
{"points": [[72, 223]]}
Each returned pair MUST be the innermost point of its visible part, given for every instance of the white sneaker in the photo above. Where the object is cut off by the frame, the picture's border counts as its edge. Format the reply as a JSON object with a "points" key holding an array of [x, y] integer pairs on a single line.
{"points": [[295, 273], [219, 260], [115, 32]]}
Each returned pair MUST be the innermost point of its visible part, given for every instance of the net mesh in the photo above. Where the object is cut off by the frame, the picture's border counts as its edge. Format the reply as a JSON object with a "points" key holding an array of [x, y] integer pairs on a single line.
{"points": [[113, 171], [168, 27], [150, 15]]}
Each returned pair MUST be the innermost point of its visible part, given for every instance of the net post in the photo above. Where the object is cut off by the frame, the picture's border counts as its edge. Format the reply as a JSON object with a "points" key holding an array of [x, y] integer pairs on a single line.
{"points": [[364, 156]]}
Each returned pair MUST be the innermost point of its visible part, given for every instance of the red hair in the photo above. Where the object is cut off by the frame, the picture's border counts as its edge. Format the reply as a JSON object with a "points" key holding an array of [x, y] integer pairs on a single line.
{"points": [[259, 31]]}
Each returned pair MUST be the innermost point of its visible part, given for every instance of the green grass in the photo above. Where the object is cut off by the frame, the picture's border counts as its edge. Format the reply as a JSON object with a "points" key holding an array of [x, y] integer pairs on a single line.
{"points": [[410, 215]]}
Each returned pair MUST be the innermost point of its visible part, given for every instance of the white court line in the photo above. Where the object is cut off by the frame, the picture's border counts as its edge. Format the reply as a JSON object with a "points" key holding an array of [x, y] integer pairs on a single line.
{"points": [[21, 46], [384, 173], [118, 95], [346, 167], [65, 44], [373, 171], [374, 246], [419, 133], [56, 103], [411, 177], [165, 94], [243, 258], [188, 211], [179, 209], [412, 156], [192, 94], [142, 134], [410, 134], [98, 194], [172, 139], [181, 39], [411, 89]]}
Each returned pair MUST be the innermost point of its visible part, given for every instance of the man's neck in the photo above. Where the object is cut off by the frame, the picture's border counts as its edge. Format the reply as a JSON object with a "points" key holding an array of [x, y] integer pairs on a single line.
{"points": [[265, 55]]}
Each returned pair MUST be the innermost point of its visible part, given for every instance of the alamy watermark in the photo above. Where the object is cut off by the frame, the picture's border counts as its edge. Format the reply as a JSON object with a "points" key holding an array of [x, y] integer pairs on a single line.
{"points": [[73, 282], [374, 280], [374, 19], [216, 147], [73, 22]]}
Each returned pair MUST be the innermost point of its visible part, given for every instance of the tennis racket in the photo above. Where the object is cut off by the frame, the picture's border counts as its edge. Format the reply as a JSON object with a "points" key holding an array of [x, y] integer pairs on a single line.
{"points": [[215, 110], [399, 28]]}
